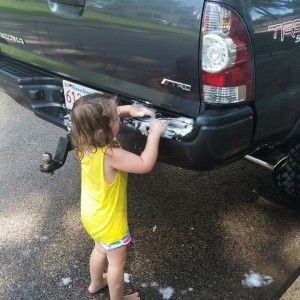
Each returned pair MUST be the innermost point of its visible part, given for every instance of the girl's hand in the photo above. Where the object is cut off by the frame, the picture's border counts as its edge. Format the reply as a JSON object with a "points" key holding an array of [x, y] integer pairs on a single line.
{"points": [[140, 112], [120, 159], [157, 128]]}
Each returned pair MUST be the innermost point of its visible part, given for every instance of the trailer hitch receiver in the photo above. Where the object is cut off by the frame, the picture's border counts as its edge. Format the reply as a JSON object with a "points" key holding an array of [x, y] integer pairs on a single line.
{"points": [[51, 164]]}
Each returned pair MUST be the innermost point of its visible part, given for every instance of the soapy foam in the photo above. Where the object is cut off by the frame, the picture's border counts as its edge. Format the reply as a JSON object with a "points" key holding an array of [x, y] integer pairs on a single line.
{"points": [[256, 280], [177, 127], [167, 293]]}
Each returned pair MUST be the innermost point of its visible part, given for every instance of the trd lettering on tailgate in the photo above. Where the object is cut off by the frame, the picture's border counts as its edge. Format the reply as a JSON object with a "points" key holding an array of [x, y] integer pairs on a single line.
{"points": [[290, 28]]}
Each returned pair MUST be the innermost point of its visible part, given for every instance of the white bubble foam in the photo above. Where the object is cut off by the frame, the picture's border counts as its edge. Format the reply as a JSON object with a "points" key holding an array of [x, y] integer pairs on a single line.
{"points": [[256, 280]]}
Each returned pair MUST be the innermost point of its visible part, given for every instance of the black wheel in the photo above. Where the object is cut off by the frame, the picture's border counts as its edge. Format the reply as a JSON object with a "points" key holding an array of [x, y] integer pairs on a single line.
{"points": [[287, 178]]}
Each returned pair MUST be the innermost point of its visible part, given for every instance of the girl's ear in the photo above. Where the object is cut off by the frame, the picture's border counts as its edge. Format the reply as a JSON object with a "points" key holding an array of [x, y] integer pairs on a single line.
{"points": [[99, 133], [101, 138]]}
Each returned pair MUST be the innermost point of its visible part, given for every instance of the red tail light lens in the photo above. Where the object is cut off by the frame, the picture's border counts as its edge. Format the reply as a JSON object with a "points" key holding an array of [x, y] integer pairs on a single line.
{"points": [[227, 65]]}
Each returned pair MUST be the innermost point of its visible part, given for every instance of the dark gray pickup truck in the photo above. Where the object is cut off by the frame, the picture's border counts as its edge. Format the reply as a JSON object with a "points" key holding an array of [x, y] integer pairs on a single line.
{"points": [[226, 74]]}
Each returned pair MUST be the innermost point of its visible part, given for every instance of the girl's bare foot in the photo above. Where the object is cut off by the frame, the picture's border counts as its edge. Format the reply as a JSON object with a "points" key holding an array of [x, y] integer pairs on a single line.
{"points": [[94, 288], [134, 296]]}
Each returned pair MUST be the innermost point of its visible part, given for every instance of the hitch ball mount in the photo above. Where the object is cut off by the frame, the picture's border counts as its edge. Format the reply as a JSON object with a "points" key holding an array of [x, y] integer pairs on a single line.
{"points": [[51, 164]]}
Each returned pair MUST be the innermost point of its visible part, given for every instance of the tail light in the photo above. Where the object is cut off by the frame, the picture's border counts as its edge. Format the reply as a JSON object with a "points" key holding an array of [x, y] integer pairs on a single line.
{"points": [[227, 64]]}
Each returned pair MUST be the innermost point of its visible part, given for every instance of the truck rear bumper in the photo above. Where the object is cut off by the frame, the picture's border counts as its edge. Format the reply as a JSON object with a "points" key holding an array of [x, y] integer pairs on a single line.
{"points": [[213, 139], [218, 138]]}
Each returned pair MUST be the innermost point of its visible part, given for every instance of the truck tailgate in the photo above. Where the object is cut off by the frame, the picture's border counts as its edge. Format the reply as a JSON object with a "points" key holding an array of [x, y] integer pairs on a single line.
{"points": [[146, 50]]}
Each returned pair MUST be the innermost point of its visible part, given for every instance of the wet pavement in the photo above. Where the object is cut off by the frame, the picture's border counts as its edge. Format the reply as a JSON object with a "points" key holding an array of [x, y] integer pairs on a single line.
{"points": [[195, 235]]}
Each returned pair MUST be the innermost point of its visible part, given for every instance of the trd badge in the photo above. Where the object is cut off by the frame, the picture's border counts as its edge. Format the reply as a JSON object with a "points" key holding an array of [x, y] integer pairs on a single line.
{"points": [[175, 84]]}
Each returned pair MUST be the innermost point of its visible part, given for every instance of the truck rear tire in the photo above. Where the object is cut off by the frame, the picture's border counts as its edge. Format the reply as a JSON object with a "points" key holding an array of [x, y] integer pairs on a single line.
{"points": [[287, 178]]}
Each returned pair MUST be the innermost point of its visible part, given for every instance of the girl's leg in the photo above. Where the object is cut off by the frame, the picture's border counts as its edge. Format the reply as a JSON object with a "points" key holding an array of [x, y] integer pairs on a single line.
{"points": [[115, 274], [97, 264]]}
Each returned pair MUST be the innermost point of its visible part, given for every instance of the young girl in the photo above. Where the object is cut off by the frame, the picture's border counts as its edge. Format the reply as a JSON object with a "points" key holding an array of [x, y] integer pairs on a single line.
{"points": [[104, 167]]}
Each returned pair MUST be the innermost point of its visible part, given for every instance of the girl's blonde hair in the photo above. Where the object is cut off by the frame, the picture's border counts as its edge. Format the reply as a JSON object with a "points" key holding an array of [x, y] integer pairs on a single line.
{"points": [[92, 120]]}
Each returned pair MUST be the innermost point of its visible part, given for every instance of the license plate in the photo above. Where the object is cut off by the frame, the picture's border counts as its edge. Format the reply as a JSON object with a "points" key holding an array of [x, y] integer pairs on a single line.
{"points": [[74, 91]]}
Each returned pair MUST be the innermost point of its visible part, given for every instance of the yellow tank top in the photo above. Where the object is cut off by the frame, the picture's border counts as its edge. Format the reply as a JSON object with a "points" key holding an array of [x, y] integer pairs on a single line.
{"points": [[103, 206]]}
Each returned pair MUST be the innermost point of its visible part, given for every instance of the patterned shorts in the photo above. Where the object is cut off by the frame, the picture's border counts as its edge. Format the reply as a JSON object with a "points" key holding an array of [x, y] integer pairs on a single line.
{"points": [[124, 241]]}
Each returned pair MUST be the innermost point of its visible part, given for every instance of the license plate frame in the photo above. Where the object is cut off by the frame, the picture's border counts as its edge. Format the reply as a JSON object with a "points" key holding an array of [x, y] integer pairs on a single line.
{"points": [[73, 91]]}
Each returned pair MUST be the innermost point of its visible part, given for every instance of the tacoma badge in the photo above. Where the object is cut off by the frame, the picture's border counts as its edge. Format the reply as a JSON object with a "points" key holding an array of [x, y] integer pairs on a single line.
{"points": [[12, 38]]}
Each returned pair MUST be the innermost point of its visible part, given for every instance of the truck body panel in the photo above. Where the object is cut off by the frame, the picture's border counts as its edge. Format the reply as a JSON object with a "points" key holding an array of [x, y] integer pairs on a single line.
{"points": [[277, 67]]}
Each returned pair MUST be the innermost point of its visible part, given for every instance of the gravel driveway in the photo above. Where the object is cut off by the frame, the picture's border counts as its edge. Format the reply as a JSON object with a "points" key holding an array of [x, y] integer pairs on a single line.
{"points": [[195, 235]]}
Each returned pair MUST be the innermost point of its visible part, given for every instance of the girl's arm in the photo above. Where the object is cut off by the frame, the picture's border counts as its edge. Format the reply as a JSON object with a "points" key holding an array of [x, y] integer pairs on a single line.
{"points": [[134, 111], [123, 160]]}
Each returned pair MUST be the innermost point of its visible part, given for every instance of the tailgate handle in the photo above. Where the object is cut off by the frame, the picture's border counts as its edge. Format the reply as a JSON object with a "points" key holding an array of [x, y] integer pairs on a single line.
{"points": [[67, 8]]}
